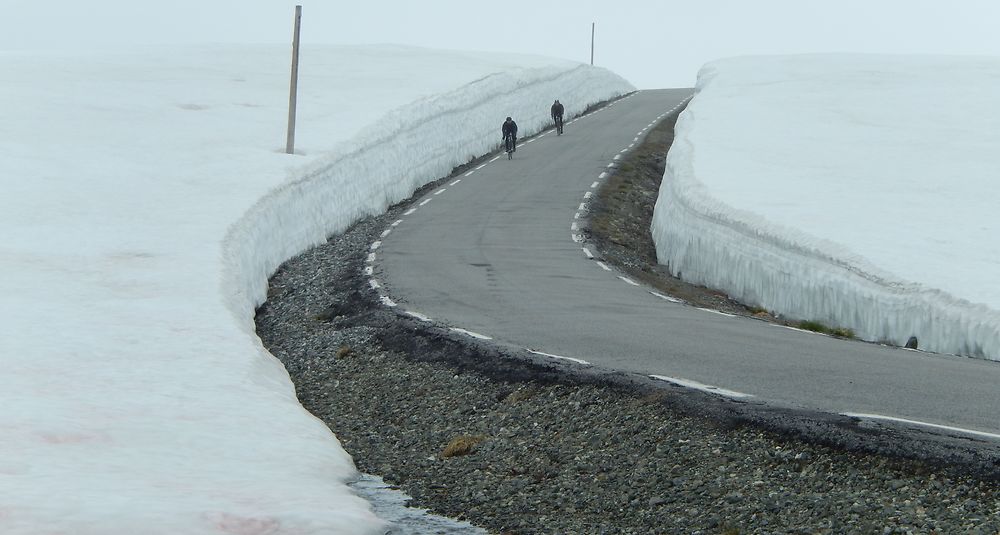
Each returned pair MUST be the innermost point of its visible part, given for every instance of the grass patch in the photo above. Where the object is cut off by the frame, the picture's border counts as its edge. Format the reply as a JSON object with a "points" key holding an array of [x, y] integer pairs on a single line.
{"points": [[461, 445]]}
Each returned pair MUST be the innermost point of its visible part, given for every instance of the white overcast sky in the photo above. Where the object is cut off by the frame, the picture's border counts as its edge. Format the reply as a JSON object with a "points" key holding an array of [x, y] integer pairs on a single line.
{"points": [[652, 43]]}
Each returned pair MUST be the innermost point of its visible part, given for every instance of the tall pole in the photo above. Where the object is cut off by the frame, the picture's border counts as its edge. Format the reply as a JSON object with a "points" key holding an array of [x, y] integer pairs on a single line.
{"points": [[294, 86], [592, 24]]}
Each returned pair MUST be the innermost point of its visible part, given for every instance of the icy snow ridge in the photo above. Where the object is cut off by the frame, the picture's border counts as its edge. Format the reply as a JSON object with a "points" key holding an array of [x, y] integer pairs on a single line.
{"points": [[764, 252]]}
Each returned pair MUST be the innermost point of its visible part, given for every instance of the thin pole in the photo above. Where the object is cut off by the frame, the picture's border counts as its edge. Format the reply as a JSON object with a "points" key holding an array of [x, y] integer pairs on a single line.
{"points": [[592, 24], [294, 86]]}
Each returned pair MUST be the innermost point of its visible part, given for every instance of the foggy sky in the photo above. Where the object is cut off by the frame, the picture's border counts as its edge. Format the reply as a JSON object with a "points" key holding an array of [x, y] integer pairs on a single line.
{"points": [[652, 43]]}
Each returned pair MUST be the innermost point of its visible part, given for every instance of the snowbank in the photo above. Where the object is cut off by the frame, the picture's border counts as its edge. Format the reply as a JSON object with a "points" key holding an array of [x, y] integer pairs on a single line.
{"points": [[146, 200], [846, 189]]}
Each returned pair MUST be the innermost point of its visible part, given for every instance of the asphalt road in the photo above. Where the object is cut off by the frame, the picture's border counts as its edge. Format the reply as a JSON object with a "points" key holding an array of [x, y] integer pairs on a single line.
{"points": [[495, 253]]}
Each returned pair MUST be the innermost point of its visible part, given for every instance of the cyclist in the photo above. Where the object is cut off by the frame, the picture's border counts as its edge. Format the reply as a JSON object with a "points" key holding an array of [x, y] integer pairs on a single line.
{"points": [[509, 131], [557, 116]]}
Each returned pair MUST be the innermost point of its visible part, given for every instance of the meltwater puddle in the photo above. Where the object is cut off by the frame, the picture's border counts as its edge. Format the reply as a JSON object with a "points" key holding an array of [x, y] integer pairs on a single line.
{"points": [[390, 505]]}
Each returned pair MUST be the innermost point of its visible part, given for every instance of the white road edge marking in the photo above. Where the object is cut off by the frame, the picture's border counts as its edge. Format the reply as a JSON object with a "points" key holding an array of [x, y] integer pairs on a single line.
{"points": [[594, 185], [588, 195], [587, 252], [472, 334], [386, 232], [628, 280], [469, 173], [375, 245], [397, 222], [602, 176], [387, 301], [571, 359], [410, 211], [455, 182], [666, 297], [864, 416], [603, 266], [495, 158], [703, 387], [574, 226], [425, 202], [369, 271], [374, 284], [717, 312], [417, 315], [577, 238], [440, 191], [480, 167], [583, 206], [371, 258]]}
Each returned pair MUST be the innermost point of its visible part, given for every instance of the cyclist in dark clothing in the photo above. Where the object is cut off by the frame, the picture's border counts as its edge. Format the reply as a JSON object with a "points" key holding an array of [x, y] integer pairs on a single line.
{"points": [[557, 116], [509, 131]]}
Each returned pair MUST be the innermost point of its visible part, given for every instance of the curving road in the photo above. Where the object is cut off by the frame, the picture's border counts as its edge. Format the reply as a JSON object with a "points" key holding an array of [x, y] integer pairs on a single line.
{"points": [[495, 253]]}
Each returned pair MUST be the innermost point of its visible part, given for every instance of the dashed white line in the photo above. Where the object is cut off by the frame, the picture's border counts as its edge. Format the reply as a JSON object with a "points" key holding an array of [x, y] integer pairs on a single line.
{"points": [[369, 271], [495, 158], [703, 387], [455, 182], [588, 253], [602, 176], [618, 157], [610, 165], [386, 232], [577, 238], [375, 245], [923, 424], [603, 266], [410, 211], [571, 359], [588, 195], [425, 201], [469, 173], [667, 297], [628, 280], [717, 312], [595, 184], [472, 334], [480, 167], [583, 206], [374, 284], [574, 226], [371, 258], [387, 301], [440, 191], [397, 222]]}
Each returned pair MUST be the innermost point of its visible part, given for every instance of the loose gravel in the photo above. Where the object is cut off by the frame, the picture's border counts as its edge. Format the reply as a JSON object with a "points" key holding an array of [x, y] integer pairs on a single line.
{"points": [[574, 451]]}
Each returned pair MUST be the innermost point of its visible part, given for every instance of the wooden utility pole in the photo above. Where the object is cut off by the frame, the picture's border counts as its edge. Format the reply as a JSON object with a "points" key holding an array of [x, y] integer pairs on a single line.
{"points": [[592, 24], [294, 87]]}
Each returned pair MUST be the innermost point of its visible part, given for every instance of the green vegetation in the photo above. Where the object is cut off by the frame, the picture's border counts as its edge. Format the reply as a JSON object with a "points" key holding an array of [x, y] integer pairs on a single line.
{"points": [[819, 327]]}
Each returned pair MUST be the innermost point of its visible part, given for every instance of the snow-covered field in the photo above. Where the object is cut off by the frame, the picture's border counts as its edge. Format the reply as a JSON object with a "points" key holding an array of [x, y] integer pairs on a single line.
{"points": [[146, 198], [856, 190]]}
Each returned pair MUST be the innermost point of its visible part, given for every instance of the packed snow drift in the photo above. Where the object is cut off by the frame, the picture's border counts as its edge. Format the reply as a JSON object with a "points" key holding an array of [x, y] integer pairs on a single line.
{"points": [[146, 200], [854, 190]]}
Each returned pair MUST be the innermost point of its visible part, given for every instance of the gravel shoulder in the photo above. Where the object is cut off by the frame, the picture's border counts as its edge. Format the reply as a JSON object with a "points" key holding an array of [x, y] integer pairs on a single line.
{"points": [[519, 445]]}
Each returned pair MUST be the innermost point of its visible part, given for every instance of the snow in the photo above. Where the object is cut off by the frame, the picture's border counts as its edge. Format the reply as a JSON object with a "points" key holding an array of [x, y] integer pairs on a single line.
{"points": [[146, 200], [851, 189]]}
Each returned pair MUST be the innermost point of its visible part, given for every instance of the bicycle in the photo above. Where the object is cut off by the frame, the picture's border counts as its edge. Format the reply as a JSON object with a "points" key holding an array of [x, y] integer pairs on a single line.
{"points": [[559, 125], [509, 145]]}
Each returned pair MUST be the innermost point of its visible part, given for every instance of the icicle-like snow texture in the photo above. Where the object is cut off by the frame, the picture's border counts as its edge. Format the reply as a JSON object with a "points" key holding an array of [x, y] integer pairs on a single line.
{"points": [[779, 162]]}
